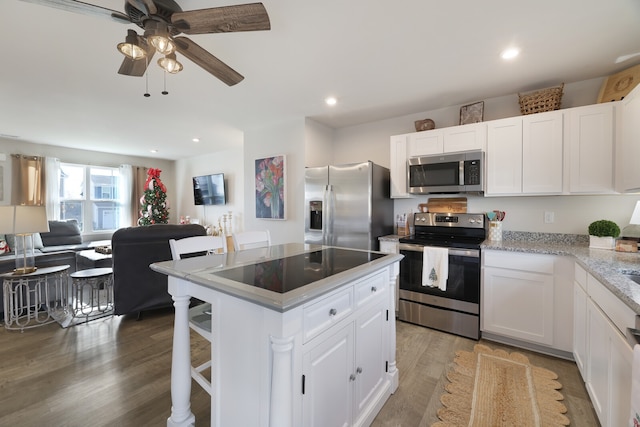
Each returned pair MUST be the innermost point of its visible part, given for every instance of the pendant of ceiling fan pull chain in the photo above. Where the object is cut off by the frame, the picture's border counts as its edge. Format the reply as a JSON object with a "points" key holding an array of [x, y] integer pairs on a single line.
{"points": [[164, 92], [147, 94]]}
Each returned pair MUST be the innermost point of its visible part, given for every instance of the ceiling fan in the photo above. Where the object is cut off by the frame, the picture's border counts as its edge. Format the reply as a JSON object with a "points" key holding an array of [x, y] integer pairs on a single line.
{"points": [[162, 22]]}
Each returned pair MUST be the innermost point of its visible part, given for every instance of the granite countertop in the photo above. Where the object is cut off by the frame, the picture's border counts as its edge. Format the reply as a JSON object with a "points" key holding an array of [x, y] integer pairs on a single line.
{"points": [[608, 266]]}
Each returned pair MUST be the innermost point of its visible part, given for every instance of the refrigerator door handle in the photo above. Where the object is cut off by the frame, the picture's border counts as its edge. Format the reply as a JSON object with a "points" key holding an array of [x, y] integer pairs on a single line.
{"points": [[327, 218]]}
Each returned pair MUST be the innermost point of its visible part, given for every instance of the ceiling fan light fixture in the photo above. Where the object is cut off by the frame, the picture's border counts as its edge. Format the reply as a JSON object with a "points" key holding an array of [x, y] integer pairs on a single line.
{"points": [[162, 44], [170, 64], [131, 47], [157, 33]]}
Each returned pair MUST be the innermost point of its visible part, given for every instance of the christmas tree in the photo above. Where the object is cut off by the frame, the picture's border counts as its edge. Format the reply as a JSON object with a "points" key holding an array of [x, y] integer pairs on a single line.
{"points": [[154, 205]]}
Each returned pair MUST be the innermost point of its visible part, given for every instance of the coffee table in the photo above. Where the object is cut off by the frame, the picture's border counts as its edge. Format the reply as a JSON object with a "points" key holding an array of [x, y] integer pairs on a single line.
{"points": [[91, 259]]}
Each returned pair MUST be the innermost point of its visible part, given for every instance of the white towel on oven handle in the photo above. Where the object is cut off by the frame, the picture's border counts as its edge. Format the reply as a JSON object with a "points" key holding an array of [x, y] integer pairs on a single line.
{"points": [[435, 267], [634, 419]]}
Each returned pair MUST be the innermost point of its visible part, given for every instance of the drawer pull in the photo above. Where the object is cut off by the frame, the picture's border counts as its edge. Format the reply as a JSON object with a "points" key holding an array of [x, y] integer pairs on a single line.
{"points": [[333, 312], [374, 289]]}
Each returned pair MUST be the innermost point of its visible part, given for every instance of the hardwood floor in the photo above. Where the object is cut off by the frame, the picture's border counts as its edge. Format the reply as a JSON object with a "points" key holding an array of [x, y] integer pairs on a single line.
{"points": [[116, 372]]}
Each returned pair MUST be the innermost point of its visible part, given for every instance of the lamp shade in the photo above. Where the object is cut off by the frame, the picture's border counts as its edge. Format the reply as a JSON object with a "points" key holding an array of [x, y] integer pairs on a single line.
{"points": [[7, 217], [30, 219], [635, 216]]}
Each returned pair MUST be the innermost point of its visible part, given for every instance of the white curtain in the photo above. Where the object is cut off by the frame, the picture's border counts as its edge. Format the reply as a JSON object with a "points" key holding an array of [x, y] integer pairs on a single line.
{"points": [[52, 187], [125, 191]]}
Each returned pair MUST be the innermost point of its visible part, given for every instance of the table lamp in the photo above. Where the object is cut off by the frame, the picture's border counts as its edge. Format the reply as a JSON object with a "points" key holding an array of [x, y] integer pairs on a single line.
{"points": [[632, 231], [23, 221]]}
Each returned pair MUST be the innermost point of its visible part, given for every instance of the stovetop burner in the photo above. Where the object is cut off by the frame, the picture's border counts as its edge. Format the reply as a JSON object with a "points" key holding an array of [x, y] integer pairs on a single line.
{"points": [[453, 230]]}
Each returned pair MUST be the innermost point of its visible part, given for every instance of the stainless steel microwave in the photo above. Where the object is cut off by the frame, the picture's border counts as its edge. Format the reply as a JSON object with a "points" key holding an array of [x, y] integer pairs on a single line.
{"points": [[461, 172]]}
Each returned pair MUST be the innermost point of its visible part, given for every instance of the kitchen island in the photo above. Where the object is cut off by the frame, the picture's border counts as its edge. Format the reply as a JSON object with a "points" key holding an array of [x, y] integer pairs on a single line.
{"points": [[301, 335]]}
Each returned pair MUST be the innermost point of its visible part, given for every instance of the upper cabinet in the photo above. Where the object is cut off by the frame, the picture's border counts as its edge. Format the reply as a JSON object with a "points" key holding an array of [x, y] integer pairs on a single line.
{"points": [[628, 181], [589, 148], [568, 151], [448, 140], [524, 155], [398, 162]]}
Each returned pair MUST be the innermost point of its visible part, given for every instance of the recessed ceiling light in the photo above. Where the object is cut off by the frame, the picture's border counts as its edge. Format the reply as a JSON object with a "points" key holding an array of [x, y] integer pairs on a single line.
{"points": [[331, 101], [154, 151], [510, 53], [196, 139]]}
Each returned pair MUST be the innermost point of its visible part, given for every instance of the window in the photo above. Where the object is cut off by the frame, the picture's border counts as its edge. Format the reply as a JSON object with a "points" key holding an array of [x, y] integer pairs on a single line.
{"points": [[89, 194]]}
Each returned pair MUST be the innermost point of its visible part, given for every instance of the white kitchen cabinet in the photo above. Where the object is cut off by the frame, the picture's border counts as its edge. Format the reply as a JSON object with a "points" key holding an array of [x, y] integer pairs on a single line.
{"points": [[345, 366], [370, 357], [542, 153], [504, 157], [589, 148], [398, 162], [580, 319], [629, 143], [328, 366], [524, 155], [448, 140], [464, 138], [601, 351], [525, 298], [426, 143]]}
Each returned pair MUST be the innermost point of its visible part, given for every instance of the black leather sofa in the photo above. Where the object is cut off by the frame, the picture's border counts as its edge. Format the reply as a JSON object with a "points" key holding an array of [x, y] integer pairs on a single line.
{"points": [[136, 287]]}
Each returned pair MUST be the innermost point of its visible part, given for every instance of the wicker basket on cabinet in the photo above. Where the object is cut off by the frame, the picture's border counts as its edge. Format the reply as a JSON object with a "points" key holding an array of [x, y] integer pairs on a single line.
{"points": [[541, 100]]}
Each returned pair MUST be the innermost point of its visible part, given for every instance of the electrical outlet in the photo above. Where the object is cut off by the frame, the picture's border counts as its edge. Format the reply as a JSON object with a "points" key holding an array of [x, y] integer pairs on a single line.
{"points": [[548, 217]]}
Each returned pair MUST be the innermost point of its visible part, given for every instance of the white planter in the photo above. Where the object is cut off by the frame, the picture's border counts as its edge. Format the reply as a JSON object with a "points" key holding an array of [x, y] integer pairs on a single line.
{"points": [[606, 242]]}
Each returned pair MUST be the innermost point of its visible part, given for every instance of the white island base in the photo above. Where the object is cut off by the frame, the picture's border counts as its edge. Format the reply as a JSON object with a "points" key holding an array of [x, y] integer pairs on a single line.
{"points": [[328, 360]]}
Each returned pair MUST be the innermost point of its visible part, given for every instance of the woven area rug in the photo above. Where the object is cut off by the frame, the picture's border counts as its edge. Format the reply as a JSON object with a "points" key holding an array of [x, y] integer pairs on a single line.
{"points": [[494, 388]]}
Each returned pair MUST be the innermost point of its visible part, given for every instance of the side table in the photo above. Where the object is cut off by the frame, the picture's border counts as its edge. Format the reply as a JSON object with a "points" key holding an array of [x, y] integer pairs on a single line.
{"points": [[91, 295], [35, 299]]}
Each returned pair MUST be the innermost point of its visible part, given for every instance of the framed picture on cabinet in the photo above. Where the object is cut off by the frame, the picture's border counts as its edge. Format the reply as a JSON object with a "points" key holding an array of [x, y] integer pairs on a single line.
{"points": [[472, 113], [270, 187]]}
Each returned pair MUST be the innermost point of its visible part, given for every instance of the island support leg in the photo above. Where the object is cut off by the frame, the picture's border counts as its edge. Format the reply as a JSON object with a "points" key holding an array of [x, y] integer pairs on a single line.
{"points": [[281, 408], [181, 415]]}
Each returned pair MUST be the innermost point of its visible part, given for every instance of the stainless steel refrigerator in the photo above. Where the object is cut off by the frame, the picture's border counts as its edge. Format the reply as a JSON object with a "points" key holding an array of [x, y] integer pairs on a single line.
{"points": [[348, 205]]}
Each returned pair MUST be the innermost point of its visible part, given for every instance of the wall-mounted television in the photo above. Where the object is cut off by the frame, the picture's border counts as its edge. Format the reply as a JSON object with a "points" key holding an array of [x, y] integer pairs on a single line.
{"points": [[209, 189]]}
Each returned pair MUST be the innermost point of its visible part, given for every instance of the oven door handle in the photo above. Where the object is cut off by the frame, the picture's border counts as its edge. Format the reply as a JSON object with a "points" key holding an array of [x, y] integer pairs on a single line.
{"points": [[471, 253]]}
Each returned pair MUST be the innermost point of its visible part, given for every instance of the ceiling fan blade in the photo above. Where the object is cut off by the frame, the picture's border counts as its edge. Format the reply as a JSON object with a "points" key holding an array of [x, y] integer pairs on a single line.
{"points": [[137, 67], [226, 19], [83, 8], [207, 61]]}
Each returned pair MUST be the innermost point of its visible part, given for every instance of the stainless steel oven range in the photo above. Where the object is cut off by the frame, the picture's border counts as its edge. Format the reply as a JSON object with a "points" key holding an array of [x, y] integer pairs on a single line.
{"points": [[457, 308]]}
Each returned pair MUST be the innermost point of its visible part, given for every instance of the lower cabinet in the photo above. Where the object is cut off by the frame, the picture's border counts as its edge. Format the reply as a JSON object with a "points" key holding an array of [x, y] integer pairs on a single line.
{"points": [[524, 297], [601, 351], [345, 369]]}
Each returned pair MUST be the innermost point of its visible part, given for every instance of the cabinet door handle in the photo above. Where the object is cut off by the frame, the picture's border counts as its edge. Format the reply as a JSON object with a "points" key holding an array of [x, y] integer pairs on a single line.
{"points": [[374, 289], [333, 312], [359, 370], [352, 377]]}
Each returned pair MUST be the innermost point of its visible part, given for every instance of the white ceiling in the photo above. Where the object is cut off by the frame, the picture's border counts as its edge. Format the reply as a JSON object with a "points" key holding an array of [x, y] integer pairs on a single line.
{"points": [[59, 83]]}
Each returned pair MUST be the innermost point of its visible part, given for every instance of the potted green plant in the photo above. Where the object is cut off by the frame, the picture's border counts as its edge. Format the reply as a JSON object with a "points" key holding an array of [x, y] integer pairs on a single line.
{"points": [[602, 234]]}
